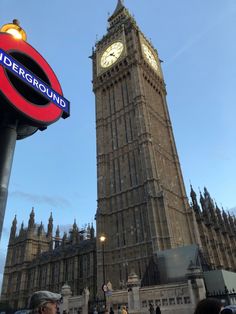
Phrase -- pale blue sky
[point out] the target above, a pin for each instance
(55, 170)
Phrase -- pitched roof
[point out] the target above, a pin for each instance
(119, 7)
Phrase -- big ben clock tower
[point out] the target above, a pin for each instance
(142, 204)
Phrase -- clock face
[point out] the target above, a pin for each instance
(150, 57)
(111, 54)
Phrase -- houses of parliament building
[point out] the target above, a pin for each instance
(142, 204)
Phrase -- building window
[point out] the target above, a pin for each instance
(164, 302)
(144, 304)
(179, 300)
(187, 300)
(171, 301)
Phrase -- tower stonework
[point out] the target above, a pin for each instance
(142, 203)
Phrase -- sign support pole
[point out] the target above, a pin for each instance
(8, 136)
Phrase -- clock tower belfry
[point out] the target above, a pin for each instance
(142, 203)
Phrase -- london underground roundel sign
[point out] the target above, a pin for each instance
(28, 84)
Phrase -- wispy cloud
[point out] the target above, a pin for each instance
(64, 228)
(185, 47)
(193, 41)
(38, 199)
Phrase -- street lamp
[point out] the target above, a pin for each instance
(14, 29)
(9, 126)
(24, 92)
(102, 240)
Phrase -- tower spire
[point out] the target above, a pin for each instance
(50, 226)
(40, 229)
(195, 202)
(193, 196)
(119, 6)
(31, 219)
(21, 229)
(13, 228)
(74, 233)
(119, 15)
(57, 237)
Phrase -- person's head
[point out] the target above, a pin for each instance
(208, 306)
(44, 302)
(229, 309)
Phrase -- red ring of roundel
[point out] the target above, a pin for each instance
(42, 114)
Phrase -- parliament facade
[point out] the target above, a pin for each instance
(38, 260)
(142, 203)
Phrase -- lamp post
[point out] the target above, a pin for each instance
(9, 126)
(27, 85)
(102, 240)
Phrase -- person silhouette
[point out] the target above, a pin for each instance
(151, 308)
(158, 310)
(208, 306)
